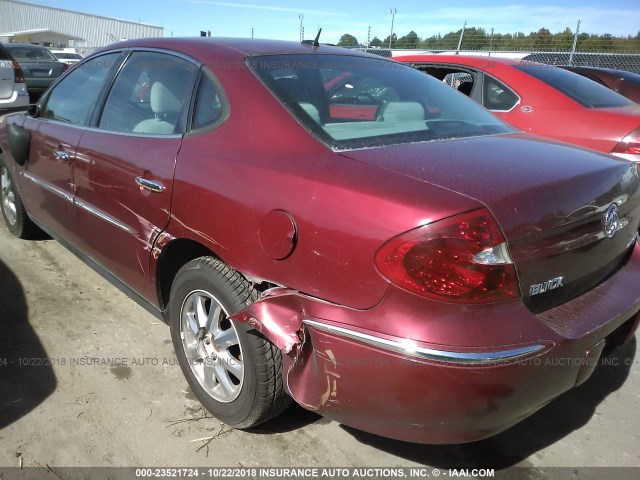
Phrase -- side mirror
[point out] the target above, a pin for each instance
(33, 110)
(19, 140)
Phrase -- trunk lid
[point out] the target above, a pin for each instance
(550, 200)
(41, 69)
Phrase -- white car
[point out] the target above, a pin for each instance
(70, 58)
(13, 88)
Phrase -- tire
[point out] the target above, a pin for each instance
(13, 211)
(233, 370)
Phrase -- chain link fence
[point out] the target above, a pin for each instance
(628, 61)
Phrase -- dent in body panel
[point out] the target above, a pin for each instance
(310, 371)
(316, 354)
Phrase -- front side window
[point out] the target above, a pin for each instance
(358, 102)
(584, 91)
(460, 79)
(150, 95)
(72, 100)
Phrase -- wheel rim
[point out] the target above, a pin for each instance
(211, 345)
(8, 197)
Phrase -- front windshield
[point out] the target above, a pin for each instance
(353, 102)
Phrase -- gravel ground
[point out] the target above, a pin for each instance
(68, 412)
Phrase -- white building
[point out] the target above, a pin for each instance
(56, 27)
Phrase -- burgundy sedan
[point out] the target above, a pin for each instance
(426, 273)
(542, 99)
(625, 83)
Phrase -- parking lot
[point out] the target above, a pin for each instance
(88, 378)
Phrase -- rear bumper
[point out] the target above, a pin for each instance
(480, 381)
(18, 102)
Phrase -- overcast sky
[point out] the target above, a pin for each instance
(279, 19)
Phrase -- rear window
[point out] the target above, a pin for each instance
(631, 79)
(68, 56)
(351, 102)
(29, 52)
(579, 88)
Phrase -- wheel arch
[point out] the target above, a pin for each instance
(171, 257)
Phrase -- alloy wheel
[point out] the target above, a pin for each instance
(211, 346)
(8, 197)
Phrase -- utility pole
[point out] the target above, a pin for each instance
(251, 32)
(393, 12)
(491, 41)
(369, 36)
(575, 44)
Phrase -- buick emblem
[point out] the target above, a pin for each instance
(611, 221)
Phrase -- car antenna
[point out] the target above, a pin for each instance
(316, 41)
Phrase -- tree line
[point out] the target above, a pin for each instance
(479, 39)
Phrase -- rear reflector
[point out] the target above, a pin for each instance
(17, 73)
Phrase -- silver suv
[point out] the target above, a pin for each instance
(13, 89)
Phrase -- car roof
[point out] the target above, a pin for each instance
(240, 47)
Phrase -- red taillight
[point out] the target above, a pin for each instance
(17, 73)
(65, 67)
(459, 259)
(630, 144)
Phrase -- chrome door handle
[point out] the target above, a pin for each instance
(62, 155)
(150, 185)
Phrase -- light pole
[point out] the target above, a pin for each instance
(461, 36)
(301, 17)
(491, 41)
(393, 12)
(575, 43)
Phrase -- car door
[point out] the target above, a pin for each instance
(47, 179)
(125, 167)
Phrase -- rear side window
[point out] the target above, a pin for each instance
(72, 100)
(150, 95)
(581, 89)
(210, 105)
(497, 96)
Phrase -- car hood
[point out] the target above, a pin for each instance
(550, 199)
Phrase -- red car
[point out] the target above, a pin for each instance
(542, 99)
(430, 274)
